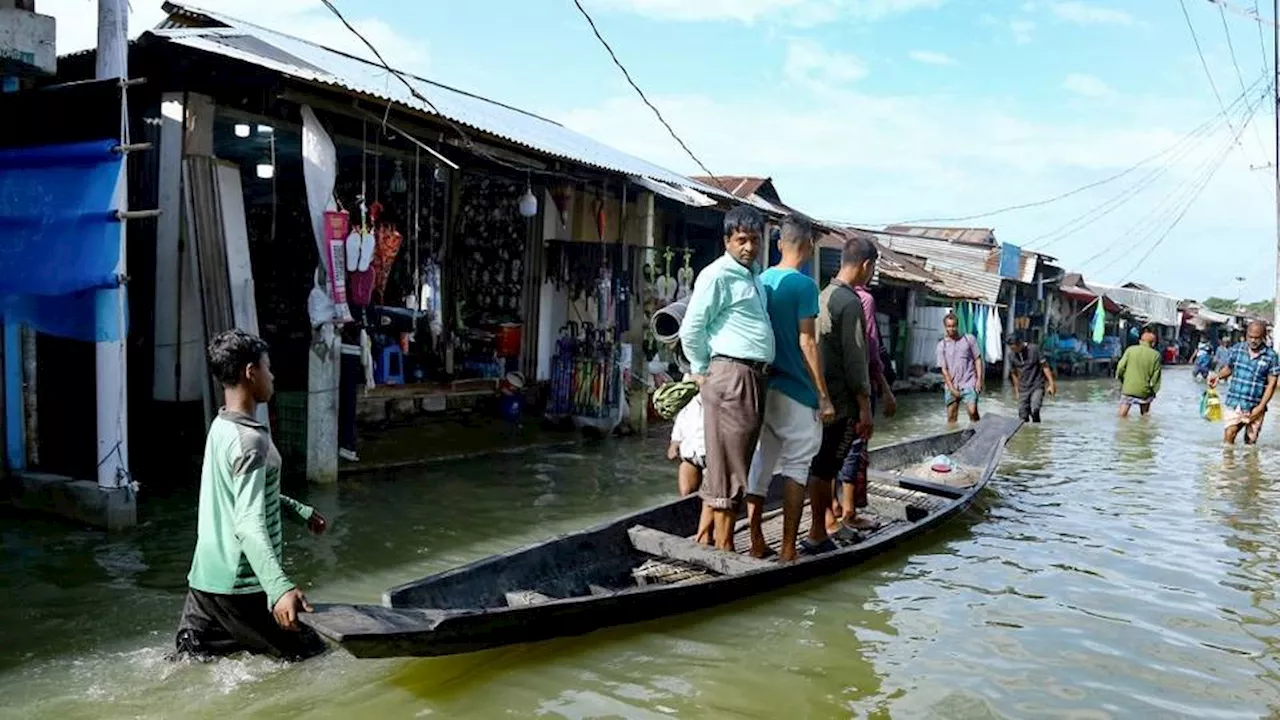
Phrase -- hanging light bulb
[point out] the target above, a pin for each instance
(528, 203)
(266, 130)
(398, 184)
(438, 174)
(266, 168)
(242, 130)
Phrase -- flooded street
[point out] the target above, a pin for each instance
(1114, 569)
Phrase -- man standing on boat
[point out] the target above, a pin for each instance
(842, 337)
(1031, 378)
(1253, 368)
(729, 342)
(1139, 375)
(797, 402)
(962, 370)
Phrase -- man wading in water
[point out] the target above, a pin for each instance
(729, 342)
(1253, 368)
(1139, 375)
(1031, 378)
(797, 402)
(962, 370)
(239, 597)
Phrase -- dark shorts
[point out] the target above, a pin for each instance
(837, 440)
(213, 625)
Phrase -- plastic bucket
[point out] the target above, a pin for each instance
(509, 339)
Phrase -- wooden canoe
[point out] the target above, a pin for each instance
(645, 566)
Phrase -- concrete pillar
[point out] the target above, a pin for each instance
(112, 368)
(186, 129)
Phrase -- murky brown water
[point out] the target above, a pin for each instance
(1116, 569)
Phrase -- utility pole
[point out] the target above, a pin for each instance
(112, 369)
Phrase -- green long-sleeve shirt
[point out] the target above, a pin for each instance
(1139, 371)
(240, 537)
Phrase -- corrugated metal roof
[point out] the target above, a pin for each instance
(1155, 307)
(1028, 263)
(972, 258)
(307, 61)
(891, 265)
(967, 236)
(965, 284)
(944, 280)
(743, 186)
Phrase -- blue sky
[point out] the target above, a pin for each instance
(879, 111)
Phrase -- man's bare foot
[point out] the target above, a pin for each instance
(864, 522)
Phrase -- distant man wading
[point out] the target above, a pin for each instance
(962, 370)
(239, 597)
(729, 342)
(1253, 368)
(797, 402)
(1031, 377)
(842, 337)
(1139, 375)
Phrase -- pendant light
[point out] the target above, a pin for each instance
(528, 201)
(242, 130)
(266, 168)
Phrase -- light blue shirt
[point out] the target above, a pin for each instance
(726, 316)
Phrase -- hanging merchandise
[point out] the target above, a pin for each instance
(389, 242)
(335, 229)
(995, 336)
(667, 285)
(685, 277)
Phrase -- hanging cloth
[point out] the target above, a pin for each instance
(384, 257)
(980, 327)
(995, 333)
(1099, 322)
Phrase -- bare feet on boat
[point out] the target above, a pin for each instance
(864, 522)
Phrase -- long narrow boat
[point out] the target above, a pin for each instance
(646, 566)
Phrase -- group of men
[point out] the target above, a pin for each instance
(787, 374)
(963, 373)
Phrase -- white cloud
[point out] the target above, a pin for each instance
(929, 57)
(809, 64)
(846, 154)
(1022, 30)
(77, 26)
(1087, 85)
(798, 12)
(1083, 13)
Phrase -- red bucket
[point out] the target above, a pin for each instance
(509, 339)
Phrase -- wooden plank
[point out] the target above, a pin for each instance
(666, 545)
(930, 488)
(520, 598)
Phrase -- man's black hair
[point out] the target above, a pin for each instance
(1014, 339)
(231, 352)
(857, 250)
(744, 218)
(796, 229)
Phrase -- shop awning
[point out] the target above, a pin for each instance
(61, 244)
(1081, 295)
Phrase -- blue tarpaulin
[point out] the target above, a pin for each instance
(61, 240)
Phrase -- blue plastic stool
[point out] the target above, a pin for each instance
(391, 370)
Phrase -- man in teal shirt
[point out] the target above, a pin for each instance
(239, 597)
(797, 402)
(728, 340)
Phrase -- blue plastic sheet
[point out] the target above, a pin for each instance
(61, 241)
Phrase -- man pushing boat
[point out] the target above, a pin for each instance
(730, 345)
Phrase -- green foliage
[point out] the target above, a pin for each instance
(1263, 308)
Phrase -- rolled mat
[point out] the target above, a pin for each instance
(666, 322)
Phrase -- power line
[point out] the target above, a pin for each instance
(1093, 215)
(1253, 15)
(1203, 63)
(1239, 75)
(1195, 193)
(1169, 200)
(643, 97)
(1083, 188)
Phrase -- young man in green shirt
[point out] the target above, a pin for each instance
(239, 597)
(1139, 375)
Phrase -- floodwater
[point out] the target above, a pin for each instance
(1115, 569)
